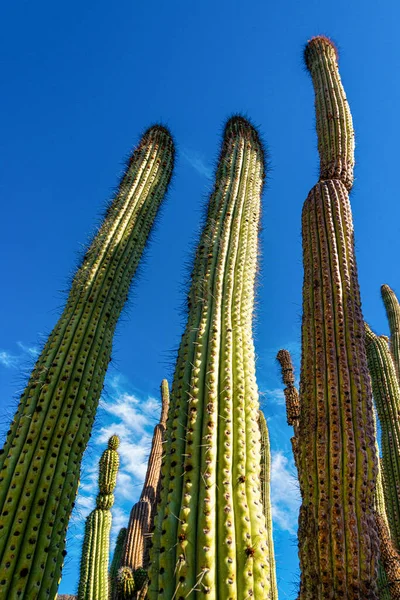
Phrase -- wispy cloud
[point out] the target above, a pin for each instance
(285, 496)
(276, 396)
(30, 350)
(198, 163)
(8, 360)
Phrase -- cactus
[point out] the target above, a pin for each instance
(336, 459)
(266, 498)
(126, 584)
(119, 546)
(386, 391)
(137, 541)
(393, 313)
(94, 581)
(292, 399)
(39, 466)
(210, 538)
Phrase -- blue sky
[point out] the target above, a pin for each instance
(82, 81)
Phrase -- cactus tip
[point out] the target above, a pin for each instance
(238, 125)
(113, 442)
(318, 42)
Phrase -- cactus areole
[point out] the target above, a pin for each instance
(210, 535)
(336, 459)
(40, 462)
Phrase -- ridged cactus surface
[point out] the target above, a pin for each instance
(210, 538)
(117, 555)
(266, 498)
(94, 577)
(40, 462)
(386, 391)
(138, 537)
(336, 459)
(393, 313)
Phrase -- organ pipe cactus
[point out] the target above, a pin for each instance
(94, 580)
(386, 391)
(393, 313)
(266, 498)
(39, 465)
(336, 459)
(210, 538)
(119, 546)
(136, 547)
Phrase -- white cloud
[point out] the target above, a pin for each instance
(10, 361)
(285, 495)
(31, 350)
(276, 396)
(197, 162)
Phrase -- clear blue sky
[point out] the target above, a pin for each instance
(80, 82)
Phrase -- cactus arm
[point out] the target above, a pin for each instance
(43, 450)
(266, 499)
(94, 578)
(334, 121)
(336, 458)
(215, 521)
(393, 313)
(386, 391)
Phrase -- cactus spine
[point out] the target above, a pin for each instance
(393, 313)
(137, 541)
(94, 580)
(386, 391)
(210, 539)
(39, 466)
(266, 498)
(336, 459)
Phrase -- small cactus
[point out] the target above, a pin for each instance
(126, 584)
(94, 579)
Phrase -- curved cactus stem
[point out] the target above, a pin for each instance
(333, 117)
(210, 538)
(393, 313)
(116, 561)
(386, 391)
(266, 500)
(40, 462)
(336, 457)
(94, 577)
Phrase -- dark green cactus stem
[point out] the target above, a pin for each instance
(126, 584)
(266, 498)
(138, 537)
(334, 122)
(386, 391)
(40, 462)
(94, 578)
(393, 313)
(116, 561)
(336, 460)
(210, 539)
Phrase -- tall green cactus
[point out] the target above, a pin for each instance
(393, 313)
(39, 466)
(386, 391)
(210, 538)
(117, 555)
(338, 541)
(94, 580)
(138, 536)
(266, 498)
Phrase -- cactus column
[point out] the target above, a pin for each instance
(210, 537)
(40, 462)
(136, 546)
(94, 580)
(386, 391)
(336, 460)
(393, 313)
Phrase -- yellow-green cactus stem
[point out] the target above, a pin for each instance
(266, 498)
(336, 458)
(138, 537)
(126, 584)
(94, 577)
(334, 122)
(210, 539)
(40, 462)
(393, 313)
(386, 390)
(116, 561)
